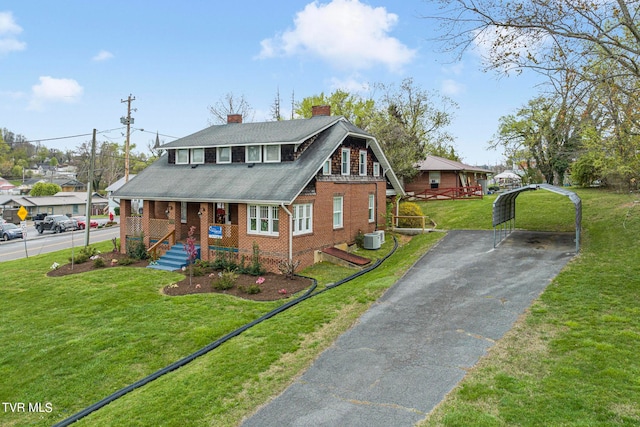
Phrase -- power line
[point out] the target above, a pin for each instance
(65, 137)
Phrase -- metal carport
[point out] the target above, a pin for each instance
(504, 210)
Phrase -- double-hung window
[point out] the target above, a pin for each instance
(337, 212)
(302, 219)
(223, 155)
(362, 165)
(182, 156)
(263, 219)
(372, 207)
(254, 154)
(345, 164)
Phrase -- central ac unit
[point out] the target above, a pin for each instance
(371, 241)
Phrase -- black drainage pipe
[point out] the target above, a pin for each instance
(185, 360)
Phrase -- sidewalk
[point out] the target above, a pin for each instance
(416, 343)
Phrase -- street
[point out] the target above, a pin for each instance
(37, 244)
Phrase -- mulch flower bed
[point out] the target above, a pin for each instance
(272, 287)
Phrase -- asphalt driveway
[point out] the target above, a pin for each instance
(416, 343)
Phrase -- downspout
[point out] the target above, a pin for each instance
(290, 231)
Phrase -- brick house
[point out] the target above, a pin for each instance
(440, 178)
(291, 187)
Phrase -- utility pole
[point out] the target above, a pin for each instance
(127, 121)
(92, 165)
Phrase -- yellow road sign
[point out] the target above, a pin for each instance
(22, 213)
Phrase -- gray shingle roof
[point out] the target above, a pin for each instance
(241, 182)
(285, 131)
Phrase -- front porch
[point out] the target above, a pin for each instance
(163, 224)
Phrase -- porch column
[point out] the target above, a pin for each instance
(125, 214)
(206, 217)
(147, 208)
(173, 216)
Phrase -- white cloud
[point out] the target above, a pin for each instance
(451, 87)
(8, 30)
(346, 33)
(103, 55)
(54, 90)
(350, 84)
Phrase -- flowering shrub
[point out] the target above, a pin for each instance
(54, 266)
(226, 280)
(282, 291)
(260, 280)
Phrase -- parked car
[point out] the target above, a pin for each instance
(10, 231)
(38, 218)
(57, 224)
(82, 222)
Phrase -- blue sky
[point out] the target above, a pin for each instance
(65, 66)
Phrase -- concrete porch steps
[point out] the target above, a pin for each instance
(174, 259)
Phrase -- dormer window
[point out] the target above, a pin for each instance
(272, 153)
(197, 156)
(223, 155)
(326, 168)
(182, 156)
(362, 165)
(254, 154)
(345, 162)
(376, 169)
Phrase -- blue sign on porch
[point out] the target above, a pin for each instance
(215, 232)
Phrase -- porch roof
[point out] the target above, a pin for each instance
(435, 163)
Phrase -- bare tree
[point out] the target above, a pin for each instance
(230, 104)
(546, 35)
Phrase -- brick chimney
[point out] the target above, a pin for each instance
(320, 110)
(234, 118)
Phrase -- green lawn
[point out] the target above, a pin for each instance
(71, 341)
(572, 360)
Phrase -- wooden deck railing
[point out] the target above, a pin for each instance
(451, 193)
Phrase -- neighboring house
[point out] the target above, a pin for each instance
(440, 178)
(114, 202)
(292, 187)
(65, 183)
(98, 202)
(59, 205)
(6, 187)
(62, 203)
